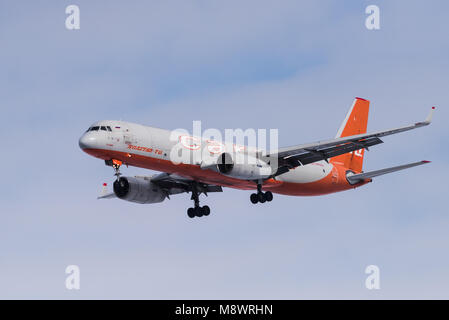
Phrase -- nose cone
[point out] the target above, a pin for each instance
(87, 141)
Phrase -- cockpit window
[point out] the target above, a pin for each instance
(96, 128)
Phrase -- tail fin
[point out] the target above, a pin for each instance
(355, 122)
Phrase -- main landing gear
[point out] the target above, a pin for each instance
(261, 196)
(197, 210)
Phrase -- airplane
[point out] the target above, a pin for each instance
(309, 169)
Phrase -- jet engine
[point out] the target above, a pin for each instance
(243, 166)
(138, 190)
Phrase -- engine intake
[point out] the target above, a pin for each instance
(225, 163)
(138, 190)
(243, 166)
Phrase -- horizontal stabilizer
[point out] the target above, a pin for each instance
(354, 178)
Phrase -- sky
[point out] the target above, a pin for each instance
(294, 66)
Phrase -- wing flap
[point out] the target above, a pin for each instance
(312, 155)
(175, 183)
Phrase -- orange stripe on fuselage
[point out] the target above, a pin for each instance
(324, 186)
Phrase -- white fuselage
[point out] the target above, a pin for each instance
(158, 149)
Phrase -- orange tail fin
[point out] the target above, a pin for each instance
(355, 122)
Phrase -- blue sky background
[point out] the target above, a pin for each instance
(295, 66)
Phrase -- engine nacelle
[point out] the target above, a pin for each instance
(138, 190)
(244, 166)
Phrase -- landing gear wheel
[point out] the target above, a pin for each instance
(199, 211)
(206, 211)
(268, 196)
(254, 198)
(261, 196)
(191, 213)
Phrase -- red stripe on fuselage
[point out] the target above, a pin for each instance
(328, 184)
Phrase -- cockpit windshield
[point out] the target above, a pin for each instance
(97, 128)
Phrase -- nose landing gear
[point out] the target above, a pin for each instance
(261, 196)
(116, 165)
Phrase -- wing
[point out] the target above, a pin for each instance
(355, 178)
(174, 184)
(291, 157)
(108, 195)
(105, 194)
(171, 184)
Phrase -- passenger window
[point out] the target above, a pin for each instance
(103, 128)
(95, 128)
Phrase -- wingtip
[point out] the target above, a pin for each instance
(426, 161)
(430, 115)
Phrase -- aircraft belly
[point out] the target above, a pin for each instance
(309, 180)
(331, 181)
(308, 173)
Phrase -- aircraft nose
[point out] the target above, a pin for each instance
(87, 141)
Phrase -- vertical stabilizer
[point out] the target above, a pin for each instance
(355, 122)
